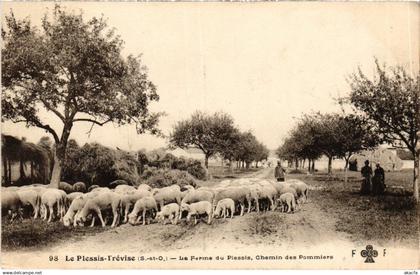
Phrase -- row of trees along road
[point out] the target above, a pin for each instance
(385, 110)
(332, 135)
(216, 134)
(74, 69)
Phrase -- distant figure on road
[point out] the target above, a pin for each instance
(279, 172)
(367, 178)
(378, 181)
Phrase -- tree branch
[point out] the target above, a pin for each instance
(92, 120)
(55, 111)
(42, 126)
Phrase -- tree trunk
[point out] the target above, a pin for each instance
(230, 166)
(9, 170)
(313, 166)
(60, 152)
(329, 165)
(56, 173)
(416, 177)
(346, 169)
(206, 162)
(21, 169)
(309, 165)
(296, 164)
(32, 172)
(5, 172)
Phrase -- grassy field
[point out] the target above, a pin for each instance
(391, 217)
(30, 233)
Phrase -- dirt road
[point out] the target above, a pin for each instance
(307, 228)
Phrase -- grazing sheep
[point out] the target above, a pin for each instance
(269, 193)
(223, 206)
(28, 196)
(93, 187)
(128, 200)
(10, 204)
(238, 194)
(170, 211)
(76, 206)
(100, 189)
(198, 195)
(188, 187)
(255, 195)
(79, 187)
(198, 208)
(68, 188)
(99, 203)
(72, 196)
(145, 187)
(144, 205)
(300, 187)
(287, 202)
(184, 193)
(11, 188)
(115, 183)
(51, 198)
(167, 195)
(123, 189)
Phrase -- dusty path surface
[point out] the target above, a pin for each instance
(308, 227)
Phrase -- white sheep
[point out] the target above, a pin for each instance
(51, 198)
(301, 189)
(222, 208)
(10, 203)
(97, 204)
(76, 206)
(123, 189)
(170, 211)
(287, 202)
(142, 205)
(239, 194)
(145, 187)
(198, 208)
(129, 200)
(28, 196)
(167, 195)
(196, 196)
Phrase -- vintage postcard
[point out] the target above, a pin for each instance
(241, 135)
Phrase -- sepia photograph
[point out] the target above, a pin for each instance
(210, 135)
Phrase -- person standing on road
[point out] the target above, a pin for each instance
(367, 178)
(279, 172)
(378, 181)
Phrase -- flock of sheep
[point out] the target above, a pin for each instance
(139, 205)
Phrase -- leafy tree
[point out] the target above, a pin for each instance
(391, 102)
(209, 133)
(247, 148)
(356, 134)
(261, 153)
(73, 69)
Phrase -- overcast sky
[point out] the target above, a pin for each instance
(263, 63)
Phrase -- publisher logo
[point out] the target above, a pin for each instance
(369, 253)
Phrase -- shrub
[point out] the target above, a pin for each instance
(160, 161)
(97, 164)
(163, 177)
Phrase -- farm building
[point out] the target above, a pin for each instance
(23, 161)
(387, 157)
